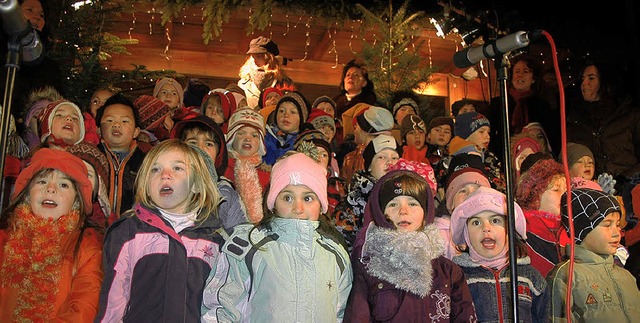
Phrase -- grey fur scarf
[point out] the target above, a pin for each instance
(403, 258)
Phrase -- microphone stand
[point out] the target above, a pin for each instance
(13, 64)
(502, 75)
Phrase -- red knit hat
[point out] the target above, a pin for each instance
(94, 157)
(46, 117)
(227, 99)
(151, 110)
(534, 182)
(318, 118)
(62, 161)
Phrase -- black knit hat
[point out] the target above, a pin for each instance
(589, 207)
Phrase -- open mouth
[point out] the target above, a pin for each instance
(488, 243)
(166, 190)
(49, 203)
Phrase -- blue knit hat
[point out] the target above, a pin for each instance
(468, 123)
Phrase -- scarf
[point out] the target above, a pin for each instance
(35, 251)
(496, 262)
(403, 258)
(248, 184)
(520, 115)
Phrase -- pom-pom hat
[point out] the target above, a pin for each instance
(298, 169)
(151, 111)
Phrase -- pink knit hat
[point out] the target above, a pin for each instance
(484, 199)
(461, 177)
(167, 80)
(423, 169)
(298, 169)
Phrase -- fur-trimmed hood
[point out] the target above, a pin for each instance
(403, 258)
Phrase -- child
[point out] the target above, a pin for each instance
(335, 184)
(291, 112)
(480, 223)
(522, 145)
(413, 133)
(400, 274)
(98, 98)
(169, 91)
(290, 267)
(158, 255)
(329, 106)
(118, 120)
(538, 192)
(381, 152)
(269, 98)
(580, 161)
(245, 143)
(50, 258)
(403, 104)
(473, 127)
(325, 123)
(219, 105)
(462, 106)
(38, 100)
(601, 291)
(98, 168)
(438, 137)
(204, 133)
(61, 124)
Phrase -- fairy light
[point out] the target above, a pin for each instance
(286, 31)
(430, 53)
(333, 41)
(153, 18)
(133, 24)
(168, 36)
(307, 39)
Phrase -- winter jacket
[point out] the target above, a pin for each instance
(349, 213)
(286, 273)
(231, 210)
(154, 274)
(123, 177)
(353, 162)
(276, 144)
(408, 281)
(601, 290)
(78, 287)
(546, 240)
(611, 131)
(491, 290)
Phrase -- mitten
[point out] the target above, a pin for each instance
(607, 183)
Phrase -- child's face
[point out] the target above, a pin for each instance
(117, 127)
(480, 138)
(381, 162)
(550, 198)
(298, 202)
(272, 99)
(323, 155)
(202, 140)
(327, 107)
(487, 233)
(33, 12)
(523, 155)
(604, 239)
(98, 99)
(327, 132)
(404, 111)
(169, 95)
(247, 141)
(416, 138)
(405, 213)
(214, 111)
(440, 135)
(93, 176)
(170, 185)
(467, 108)
(584, 167)
(288, 119)
(463, 193)
(52, 195)
(66, 124)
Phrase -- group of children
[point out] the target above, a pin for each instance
(226, 213)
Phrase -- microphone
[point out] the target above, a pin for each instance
(471, 55)
(17, 26)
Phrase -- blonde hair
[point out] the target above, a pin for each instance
(204, 197)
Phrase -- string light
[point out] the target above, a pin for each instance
(430, 52)
(287, 18)
(168, 36)
(133, 24)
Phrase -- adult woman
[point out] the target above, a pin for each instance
(607, 122)
(355, 87)
(526, 105)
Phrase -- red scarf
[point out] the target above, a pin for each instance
(520, 116)
(34, 255)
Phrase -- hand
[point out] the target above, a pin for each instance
(607, 183)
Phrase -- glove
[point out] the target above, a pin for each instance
(607, 183)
